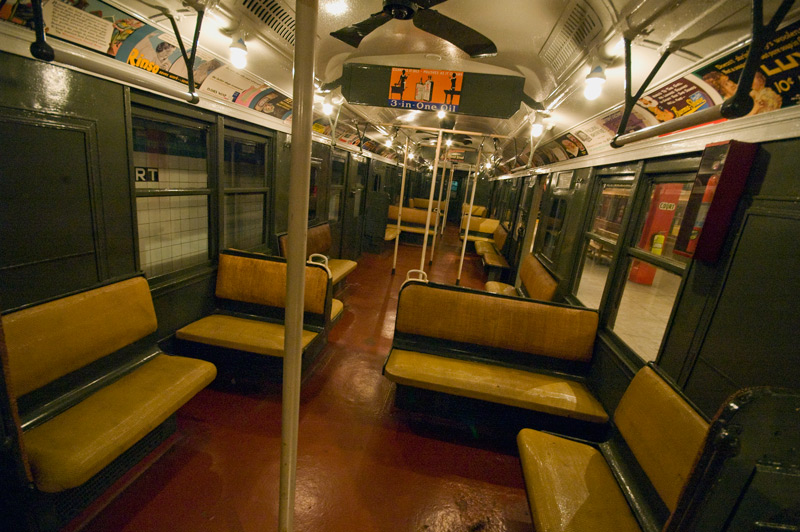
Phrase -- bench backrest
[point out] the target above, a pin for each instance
(663, 431)
(538, 282)
(480, 225)
(522, 325)
(477, 210)
(50, 340)
(410, 216)
(500, 235)
(318, 240)
(422, 203)
(261, 280)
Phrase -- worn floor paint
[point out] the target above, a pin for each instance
(362, 466)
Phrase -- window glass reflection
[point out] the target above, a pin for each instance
(645, 308)
(663, 221)
(594, 274)
(610, 209)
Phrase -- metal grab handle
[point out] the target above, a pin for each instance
(322, 260)
(421, 276)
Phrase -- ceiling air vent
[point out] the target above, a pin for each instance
(571, 37)
(275, 15)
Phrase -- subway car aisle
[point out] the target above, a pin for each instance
(362, 466)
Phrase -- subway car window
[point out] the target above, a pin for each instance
(172, 195)
(246, 193)
(653, 271)
(601, 241)
(554, 212)
(338, 168)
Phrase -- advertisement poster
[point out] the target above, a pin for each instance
(267, 100)
(425, 90)
(679, 98)
(777, 80)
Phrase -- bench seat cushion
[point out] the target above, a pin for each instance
(340, 268)
(483, 247)
(391, 232)
(336, 309)
(496, 287)
(493, 260)
(570, 487)
(477, 238)
(420, 230)
(260, 337)
(497, 384)
(69, 449)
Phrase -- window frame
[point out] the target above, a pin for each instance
(262, 137)
(147, 108)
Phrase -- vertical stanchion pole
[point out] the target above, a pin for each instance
(438, 211)
(469, 217)
(430, 201)
(300, 176)
(400, 207)
(447, 200)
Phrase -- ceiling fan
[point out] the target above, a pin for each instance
(426, 19)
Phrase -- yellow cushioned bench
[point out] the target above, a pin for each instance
(571, 485)
(318, 240)
(477, 210)
(89, 384)
(411, 220)
(251, 296)
(480, 229)
(514, 352)
(536, 282)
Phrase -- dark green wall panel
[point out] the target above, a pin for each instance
(66, 192)
(752, 339)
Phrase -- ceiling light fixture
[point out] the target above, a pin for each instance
(238, 49)
(327, 105)
(594, 83)
(441, 114)
(336, 8)
(537, 125)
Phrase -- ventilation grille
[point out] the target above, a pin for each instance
(275, 16)
(576, 28)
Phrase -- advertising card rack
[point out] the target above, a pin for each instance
(718, 186)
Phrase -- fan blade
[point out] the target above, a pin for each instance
(352, 35)
(429, 3)
(469, 40)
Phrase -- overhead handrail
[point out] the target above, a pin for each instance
(736, 106)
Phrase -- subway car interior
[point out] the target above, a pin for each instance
(395, 265)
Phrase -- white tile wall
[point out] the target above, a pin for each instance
(173, 231)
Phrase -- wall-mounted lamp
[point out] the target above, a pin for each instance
(238, 49)
(594, 83)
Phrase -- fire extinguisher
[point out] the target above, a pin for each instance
(658, 243)
(700, 219)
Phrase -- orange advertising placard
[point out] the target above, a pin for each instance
(425, 90)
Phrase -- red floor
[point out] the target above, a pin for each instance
(361, 466)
